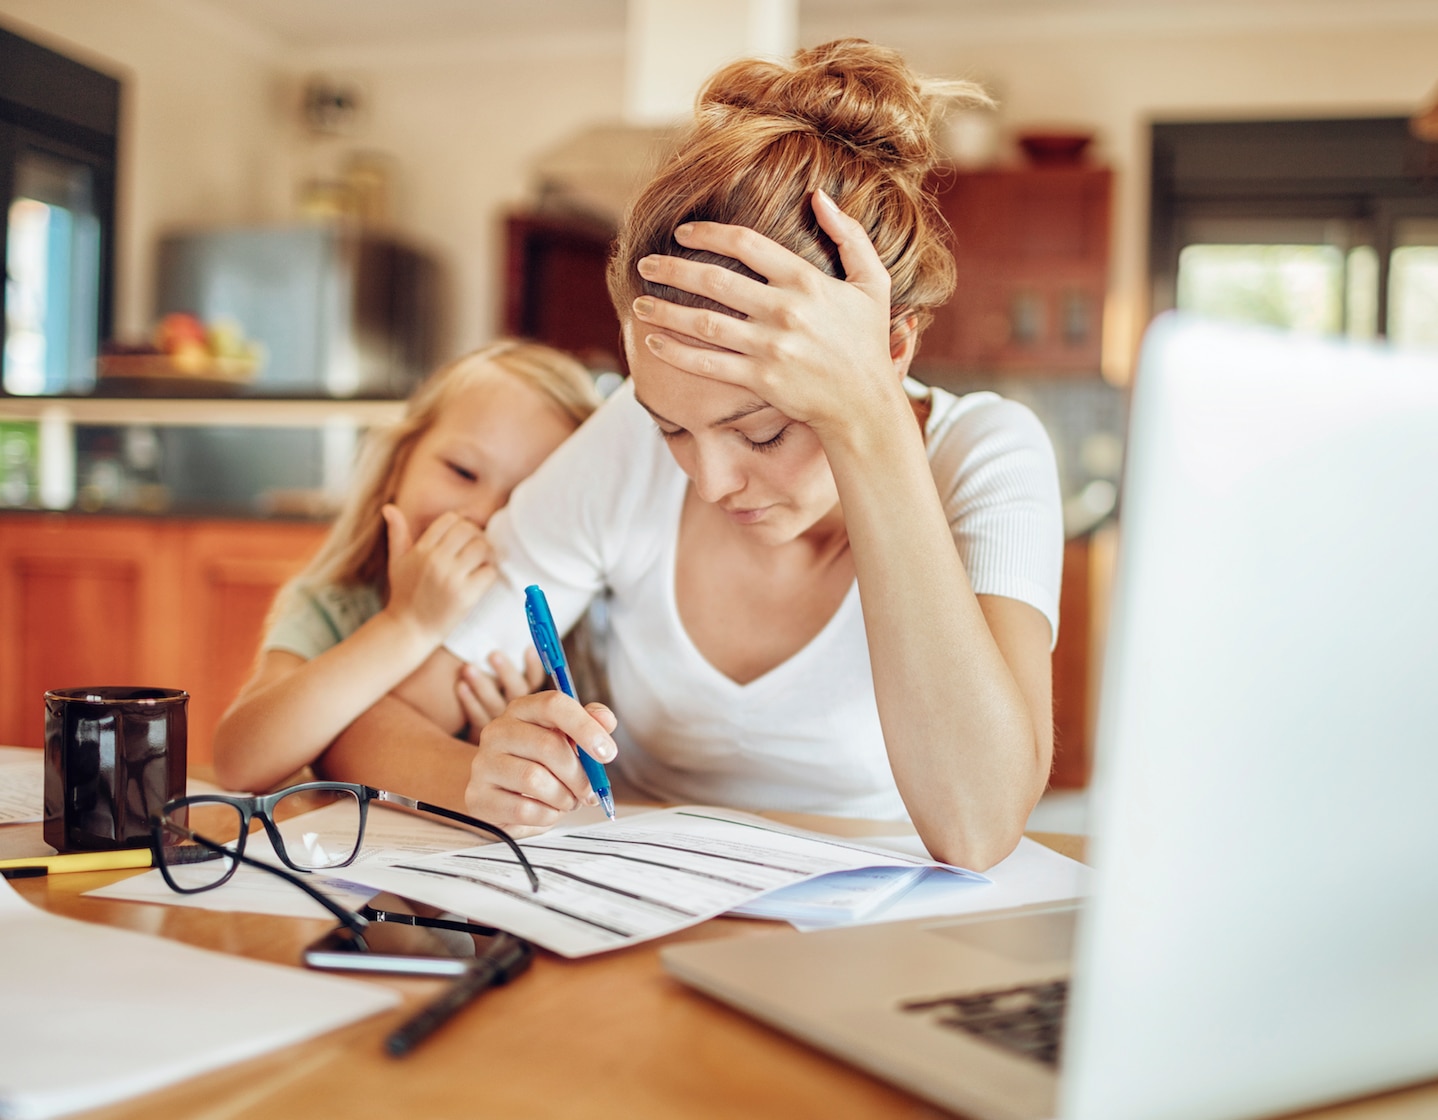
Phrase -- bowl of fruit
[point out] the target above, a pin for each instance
(183, 355)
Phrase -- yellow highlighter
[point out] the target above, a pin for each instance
(117, 860)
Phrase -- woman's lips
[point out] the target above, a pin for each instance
(746, 516)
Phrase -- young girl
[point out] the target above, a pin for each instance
(831, 589)
(405, 560)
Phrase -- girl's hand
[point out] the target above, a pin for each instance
(525, 773)
(433, 582)
(484, 698)
(816, 348)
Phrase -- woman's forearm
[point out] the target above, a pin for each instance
(969, 747)
(395, 747)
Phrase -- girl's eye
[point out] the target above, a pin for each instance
(463, 472)
(771, 443)
(667, 435)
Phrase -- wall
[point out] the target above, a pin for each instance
(1117, 74)
(212, 133)
(464, 121)
(198, 117)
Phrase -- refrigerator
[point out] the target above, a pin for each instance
(340, 312)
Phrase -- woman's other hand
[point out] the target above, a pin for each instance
(434, 581)
(525, 773)
(817, 348)
(484, 697)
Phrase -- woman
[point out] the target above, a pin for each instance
(830, 588)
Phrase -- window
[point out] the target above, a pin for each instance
(58, 125)
(1327, 227)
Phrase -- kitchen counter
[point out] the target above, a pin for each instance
(242, 412)
(231, 457)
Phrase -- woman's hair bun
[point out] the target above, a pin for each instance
(848, 91)
(847, 118)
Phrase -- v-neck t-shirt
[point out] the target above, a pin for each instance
(601, 517)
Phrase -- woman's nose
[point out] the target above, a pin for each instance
(716, 475)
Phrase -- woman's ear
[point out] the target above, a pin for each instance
(904, 343)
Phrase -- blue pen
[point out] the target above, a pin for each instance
(551, 655)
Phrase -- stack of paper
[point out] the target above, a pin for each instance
(617, 883)
(74, 993)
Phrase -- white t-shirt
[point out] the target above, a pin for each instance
(602, 516)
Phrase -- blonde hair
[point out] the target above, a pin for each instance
(847, 117)
(356, 551)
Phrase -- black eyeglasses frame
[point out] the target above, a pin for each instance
(262, 806)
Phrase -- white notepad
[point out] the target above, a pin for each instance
(72, 992)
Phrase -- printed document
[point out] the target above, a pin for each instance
(608, 885)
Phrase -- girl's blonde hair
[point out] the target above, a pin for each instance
(356, 551)
(847, 117)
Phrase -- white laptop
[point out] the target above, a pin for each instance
(1263, 930)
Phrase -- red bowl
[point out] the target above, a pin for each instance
(1055, 147)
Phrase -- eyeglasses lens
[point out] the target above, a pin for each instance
(193, 866)
(331, 843)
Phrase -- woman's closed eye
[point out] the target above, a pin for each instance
(770, 443)
(754, 444)
(463, 471)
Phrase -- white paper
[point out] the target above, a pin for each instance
(1032, 873)
(839, 898)
(613, 884)
(73, 990)
(22, 789)
(389, 834)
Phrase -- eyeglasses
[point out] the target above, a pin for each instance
(191, 862)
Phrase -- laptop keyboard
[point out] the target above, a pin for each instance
(1027, 1019)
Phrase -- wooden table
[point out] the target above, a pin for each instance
(610, 1036)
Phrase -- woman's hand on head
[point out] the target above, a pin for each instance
(484, 697)
(435, 580)
(816, 348)
(525, 774)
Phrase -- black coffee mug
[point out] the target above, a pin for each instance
(113, 756)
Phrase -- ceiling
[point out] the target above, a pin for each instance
(308, 25)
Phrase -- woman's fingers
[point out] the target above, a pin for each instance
(525, 772)
(778, 265)
(862, 266)
(720, 365)
(605, 718)
(538, 729)
(723, 285)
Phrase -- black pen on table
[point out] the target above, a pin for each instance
(506, 957)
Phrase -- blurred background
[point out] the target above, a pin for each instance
(237, 231)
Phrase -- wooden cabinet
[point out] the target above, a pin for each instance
(555, 287)
(1089, 564)
(1071, 671)
(1031, 248)
(93, 600)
